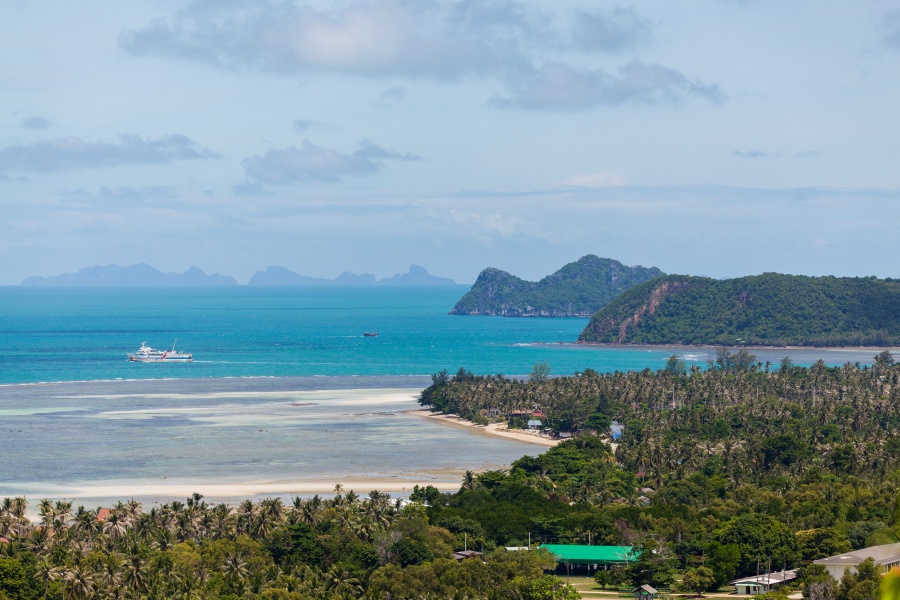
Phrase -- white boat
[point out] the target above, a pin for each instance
(147, 354)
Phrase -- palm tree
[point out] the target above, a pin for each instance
(340, 583)
(79, 582)
(235, 570)
(135, 575)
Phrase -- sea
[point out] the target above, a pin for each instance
(280, 389)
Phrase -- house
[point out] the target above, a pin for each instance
(534, 424)
(885, 556)
(760, 584)
(465, 555)
(645, 592)
(577, 554)
(616, 430)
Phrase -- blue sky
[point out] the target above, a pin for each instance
(709, 137)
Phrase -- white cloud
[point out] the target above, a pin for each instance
(561, 87)
(445, 40)
(69, 153)
(611, 31)
(311, 162)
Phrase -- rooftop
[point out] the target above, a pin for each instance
(578, 554)
(768, 578)
(880, 554)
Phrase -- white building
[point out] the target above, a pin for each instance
(760, 584)
(885, 556)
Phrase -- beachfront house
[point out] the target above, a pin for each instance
(885, 556)
(760, 584)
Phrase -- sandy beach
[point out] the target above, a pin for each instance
(494, 429)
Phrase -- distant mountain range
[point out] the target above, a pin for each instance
(768, 310)
(280, 276)
(145, 275)
(578, 289)
(135, 275)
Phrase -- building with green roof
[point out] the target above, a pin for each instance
(575, 554)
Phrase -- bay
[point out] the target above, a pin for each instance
(285, 393)
(85, 334)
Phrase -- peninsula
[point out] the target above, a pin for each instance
(577, 290)
(765, 310)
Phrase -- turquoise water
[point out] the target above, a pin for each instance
(85, 334)
(270, 396)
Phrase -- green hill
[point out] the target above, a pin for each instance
(577, 290)
(768, 309)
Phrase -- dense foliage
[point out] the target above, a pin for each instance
(578, 289)
(345, 547)
(768, 309)
(731, 468)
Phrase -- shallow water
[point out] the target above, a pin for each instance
(63, 440)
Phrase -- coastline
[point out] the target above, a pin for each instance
(580, 344)
(493, 429)
(236, 439)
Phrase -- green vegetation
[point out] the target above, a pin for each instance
(723, 468)
(769, 309)
(579, 289)
(718, 472)
(345, 547)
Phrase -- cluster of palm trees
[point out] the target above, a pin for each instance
(750, 425)
(185, 549)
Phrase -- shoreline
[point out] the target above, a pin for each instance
(270, 420)
(492, 429)
(578, 344)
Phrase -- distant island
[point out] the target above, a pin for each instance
(145, 275)
(578, 289)
(279, 276)
(135, 275)
(767, 310)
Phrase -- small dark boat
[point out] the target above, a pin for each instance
(370, 334)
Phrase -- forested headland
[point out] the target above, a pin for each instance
(769, 309)
(578, 289)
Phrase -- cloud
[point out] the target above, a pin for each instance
(310, 162)
(381, 38)
(808, 154)
(892, 29)
(397, 92)
(70, 153)
(445, 40)
(751, 154)
(304, 125)
(120, 196)
(612, 31)
(35, 123)
(561, 87)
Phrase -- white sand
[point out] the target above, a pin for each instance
(495, 429)
(238, 490)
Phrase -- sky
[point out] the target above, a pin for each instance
(705, 137)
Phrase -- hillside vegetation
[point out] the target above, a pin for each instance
(577, 290)
(768, 309)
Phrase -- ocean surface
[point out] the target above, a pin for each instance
(85, 334)
(277, 391)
